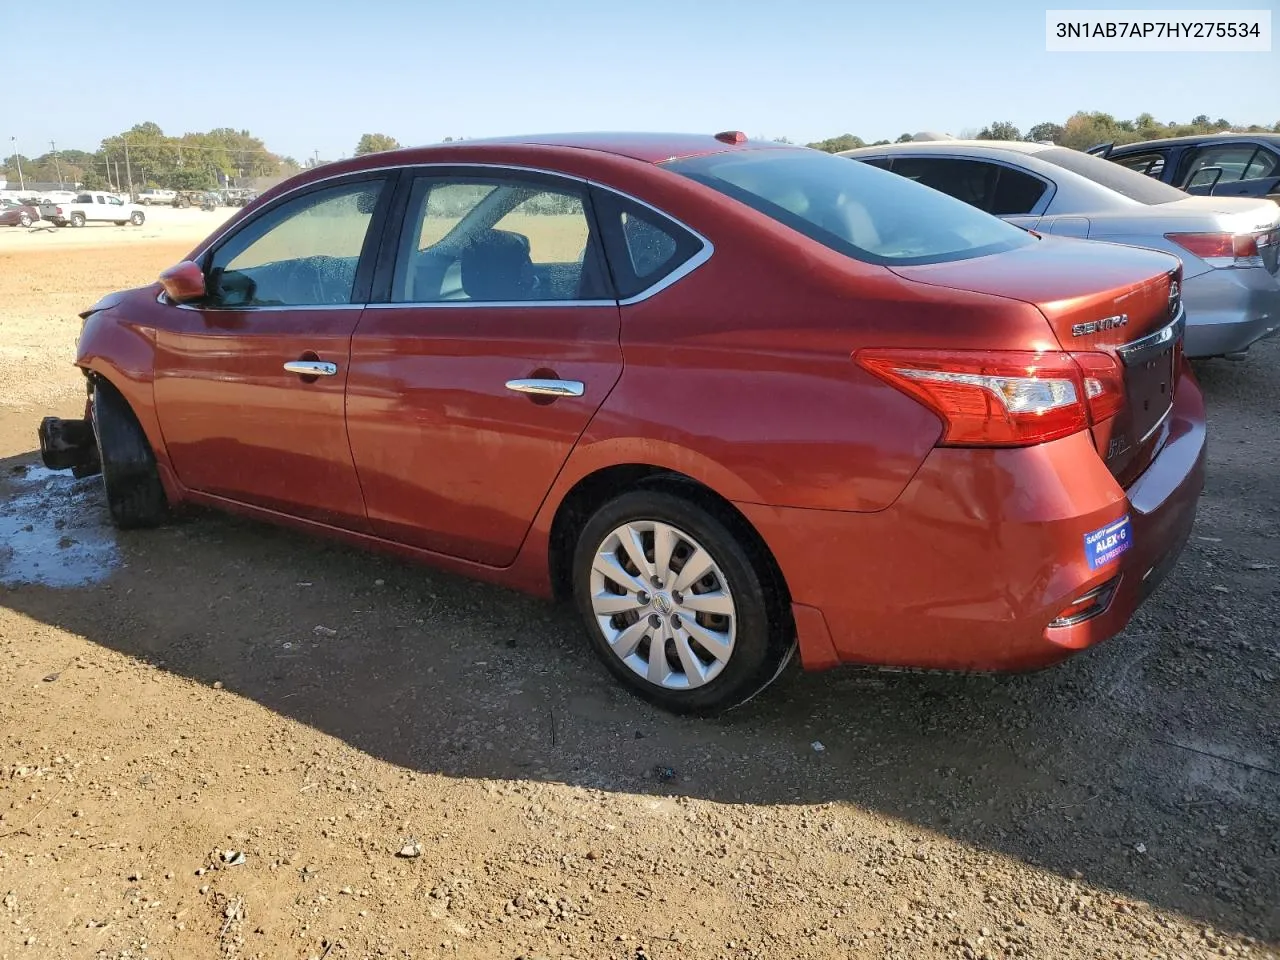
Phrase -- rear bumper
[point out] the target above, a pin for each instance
(984, 549)
(1229, 310)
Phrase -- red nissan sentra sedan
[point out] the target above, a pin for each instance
(735, 399)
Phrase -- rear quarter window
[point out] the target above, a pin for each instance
(644, 247)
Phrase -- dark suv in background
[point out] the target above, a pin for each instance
(1218, 164)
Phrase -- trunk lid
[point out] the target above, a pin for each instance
(1097, 298)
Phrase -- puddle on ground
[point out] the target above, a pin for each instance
(55, 530)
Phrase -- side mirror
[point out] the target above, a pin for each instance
(183, 282)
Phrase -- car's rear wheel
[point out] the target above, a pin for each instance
(77, 219)
(138, 218)
(24, 219)
(679, 604)
(135, 495)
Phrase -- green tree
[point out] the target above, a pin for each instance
(376, 143)
(1045, 131)
(905, 138)
(1001, 130)
(846, 141)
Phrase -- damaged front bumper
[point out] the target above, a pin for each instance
(69, 445)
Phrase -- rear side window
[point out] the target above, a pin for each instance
(643, 246)
(1151, 164)
(1016, 193)
(1111, 175)
(864, 213)
(988, 186)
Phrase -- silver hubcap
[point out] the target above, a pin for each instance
(663, 604)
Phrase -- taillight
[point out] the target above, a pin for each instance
(1003, 398)
(57, 211)
(1103, 384)
(1224, 249)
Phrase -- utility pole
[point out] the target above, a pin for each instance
(317, 158)
(127, 171)
(17, 158)
(53, 148)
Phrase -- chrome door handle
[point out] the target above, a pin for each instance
(311, 368)
(548, 388)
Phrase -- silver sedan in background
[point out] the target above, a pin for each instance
(1228, 245)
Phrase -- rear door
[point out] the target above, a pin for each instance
(496, 342)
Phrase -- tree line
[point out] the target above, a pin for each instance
(1081, 131)
(145, 156)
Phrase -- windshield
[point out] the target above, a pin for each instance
(854, 208)
(1108, 173)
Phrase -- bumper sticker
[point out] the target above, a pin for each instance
(1103, 546)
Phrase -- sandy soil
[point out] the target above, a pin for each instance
(217, 739)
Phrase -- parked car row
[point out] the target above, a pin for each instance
(1228, 245)
(15, 214)
(736, 400)
(230, 197)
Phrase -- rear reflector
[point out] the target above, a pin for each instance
(1086, 606)
(1003, 398)
(1224, 249)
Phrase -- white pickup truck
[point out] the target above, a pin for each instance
(93, 207)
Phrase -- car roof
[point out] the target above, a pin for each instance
(942, 146)
(1194, 138)
(646, 147)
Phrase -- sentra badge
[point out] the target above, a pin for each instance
(1097, 326)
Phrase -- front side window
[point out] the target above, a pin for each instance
(496, 240)
(1264, 164)
(301, 253)
(1232, 159)
(862, 212)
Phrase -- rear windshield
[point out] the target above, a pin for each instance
(854, 208)
(1108, 173)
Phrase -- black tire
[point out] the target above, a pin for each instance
(122, 223)
(77, 220)
(138, 218)
(764, 632)
(135, 495)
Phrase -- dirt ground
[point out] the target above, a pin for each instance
(217, 739)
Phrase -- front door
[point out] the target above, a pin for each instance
(250, 382)
(499, 340)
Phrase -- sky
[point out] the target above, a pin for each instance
(310, 82)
